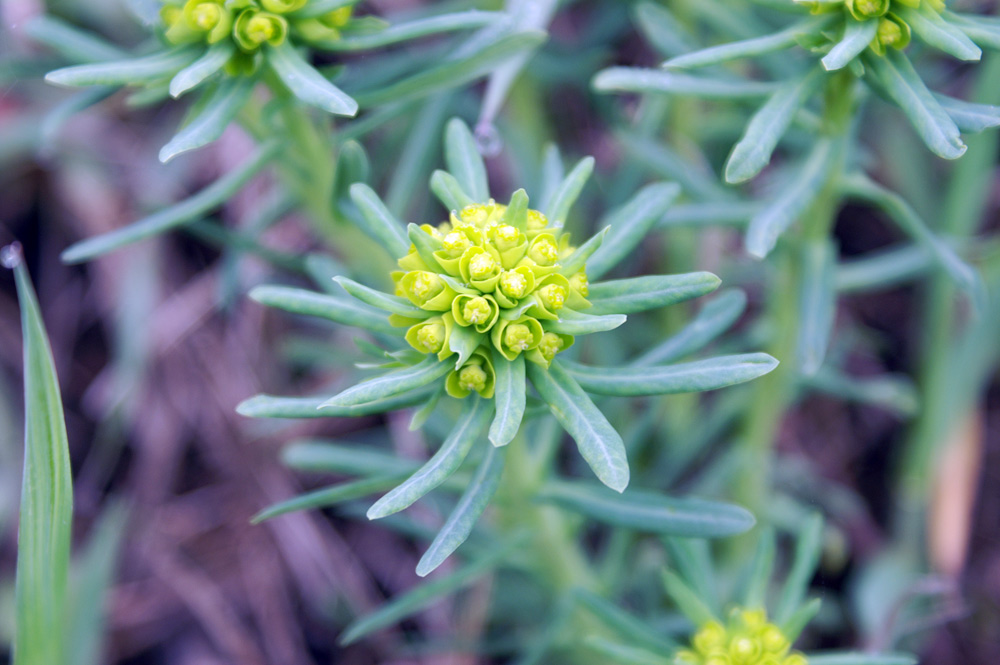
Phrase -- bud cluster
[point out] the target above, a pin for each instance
(249, 24)
(892, 31)
(747, 638)
(495, 270)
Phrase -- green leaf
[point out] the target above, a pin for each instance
(637, 294)
(321, 456)
(692, 559)
(270, 406)
(214, 59)
(46, 516)
(768, 125)
(414, 30)
(983, 30)
(568, 191)
(329, 496)
(637, 632)
(860, 658)
(883, 269)
(622, 654)
(807, 550)
(857, 36)
(888, 391)
(306, 83)
(755, 594)
(453, 73)
(575, 323)
(796, 623)
(687, 601)
(578, 259)
(425, 594)
(516, 213)
(634, 79)
(93, 576)
(904, 86)
(661, 29)
(421, 415)
(464, 161)
(426, 245)
(70, 42)
(600, 445)
(969, 117)
(211, 120)
(933, 29)
(510, 398)
(185, 212)
(449, 191)
(465, 515)
(380, 224)
(817, 304)
(630, 225)
(463, 341)
(964, 276)
(714, 319)
(650, 512)
(315, 8)
(777, 41)
(793, 200)
(697, 182)
(309, 303)
(696, 376)
(385, 301)
(446, 460)
(131, 71)
(391, 383)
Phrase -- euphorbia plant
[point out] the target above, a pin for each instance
(495, 298)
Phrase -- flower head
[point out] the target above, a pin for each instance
(747, 638)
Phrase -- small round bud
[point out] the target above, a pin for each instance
(891, 32)
(536, 220)
(580, 283)
(260, 29)
(743, 650)
(795, 659)
(455, 243)
(482, 266)
(552, 296)
(513, 284)
(431, 337)
(517, 337)
(773, 639)
(477, 310)
(866, 9)
(472, 378)
(543, 252)
(506, 237)
(206, 16)
(550, 345)
(711, 637)
(427, 285)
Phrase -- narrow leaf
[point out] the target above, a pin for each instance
(568, 191)
(860, 658)
(634, 79)
(449, 191)
(510, 398)
(767, 126)
(402, 32)
(309, 303)
(464, 161)
(933, 29)
(687, 601)
(623, 654)
(714, 55)
(637, 294)
(214, 59)
(968, 116)
(391, 383)
(600, 445)
(322, 456)
(795, 624)
(211, 120)
(69, 41)
(714, 319)
(630, 224)
(650, 512)
(380, 224)
(817, 304)
(270, 406)
(755, 594)
(578, 259)
(330, 496)
(46, 492)
(795, 197)
(445, 461)
(185, 212)
(696, 376)
(132, 71)
(385, 301)
(807, 551)
(575, 323)
(306, 83)
(465, 515)
(857, 36)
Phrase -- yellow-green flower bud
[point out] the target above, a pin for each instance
(866, 9)
(746, 639)
(254, 28)
(472, 378)
(513, 284)
(744, 650)
(481, 266)
(422, 287)
(552, 297)
(537, 221)
(477, 310)
(455, 243)
(282, 6)
(891, 32)
(206, 15)
(774, 640)
(543, 251)
(518, 337)
(431, 337)
(580, 284)
(507, 237)
(550, 345)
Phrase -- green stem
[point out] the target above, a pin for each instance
(775, 392)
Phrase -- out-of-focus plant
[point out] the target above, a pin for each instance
(490, 300)
(819, 71)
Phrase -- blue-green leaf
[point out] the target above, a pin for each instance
(857, 36)
(860, 658)
(214, 59)
(391, 383)
(211, 119)
(817, 304)
(464, 161)
(714, 319)
(133, 71)
(385, 301)
(449, 191)
(637, 294)
(380, 224)
(576, 323)
(633, 79)
(630, 224)
(568, 191)
(510, 398)
(309, 303)
(306, 83)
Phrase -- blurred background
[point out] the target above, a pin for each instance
(155, 346)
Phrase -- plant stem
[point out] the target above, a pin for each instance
(775, 391)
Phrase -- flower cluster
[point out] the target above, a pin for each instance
(747, 638)
(249, 24)
(494, 270)
(891, 30)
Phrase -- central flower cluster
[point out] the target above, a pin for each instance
(892, 31)
(487, 272)
(746, 639)
(248, 23)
